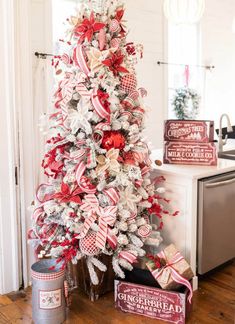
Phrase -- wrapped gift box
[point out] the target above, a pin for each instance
(165, 277)
(189, 131)
(153, 302)
(190, 153)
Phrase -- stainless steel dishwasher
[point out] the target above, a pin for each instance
(216, 221)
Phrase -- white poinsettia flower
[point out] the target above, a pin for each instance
(79, 119)
(129, 199)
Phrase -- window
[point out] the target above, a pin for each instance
(62, 10)
(183, 51)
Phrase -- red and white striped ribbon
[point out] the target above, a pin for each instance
(75, 156)
(87, 225)
(99, 131)
(91, 159)
(83, 91)
(126, 114)
(107, 217)
(79, 59)
(112, 194)
(82, 181)
(145, 170)
(45, 197)
(100, 110)
(128, 256)
(174, 274)
(128, 103)
(90, 203)
(111, 239)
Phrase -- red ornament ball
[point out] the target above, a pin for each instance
(88, 244)
(128, 83)
(113, 139)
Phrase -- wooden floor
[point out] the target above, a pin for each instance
(214, 302)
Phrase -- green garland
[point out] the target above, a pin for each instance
(186, 103)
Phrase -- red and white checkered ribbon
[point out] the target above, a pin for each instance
(174, 274)
(100, 110)
(107, 217)
(47, 276)
(128, 256)
(83, 182)
(80, 60)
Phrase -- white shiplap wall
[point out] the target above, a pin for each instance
(147, 26)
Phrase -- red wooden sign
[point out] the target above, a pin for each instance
(190, 153)
(189, 131)
(151, 302)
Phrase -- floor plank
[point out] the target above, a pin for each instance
(214, 302)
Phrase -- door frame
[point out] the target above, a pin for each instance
(9, 211)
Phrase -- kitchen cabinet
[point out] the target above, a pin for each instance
(182, 188)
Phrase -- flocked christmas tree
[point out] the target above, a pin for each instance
(99, 197)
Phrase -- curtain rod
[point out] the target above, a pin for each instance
(207, 67)
(42, 55)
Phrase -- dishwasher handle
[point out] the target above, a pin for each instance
(220, 183)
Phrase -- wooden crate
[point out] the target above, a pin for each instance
(152, 302)
(189, 131)
(190, 153)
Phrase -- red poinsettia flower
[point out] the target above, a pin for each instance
(114, 63)
(52, 167)
(87, 28)
(66, 195)
(103, 97)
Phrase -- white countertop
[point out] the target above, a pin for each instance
(193, 171)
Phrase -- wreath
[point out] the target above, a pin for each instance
(186, 103)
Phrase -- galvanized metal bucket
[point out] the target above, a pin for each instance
(48, 292)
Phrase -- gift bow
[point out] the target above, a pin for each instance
(174, 274)
(106, 218)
